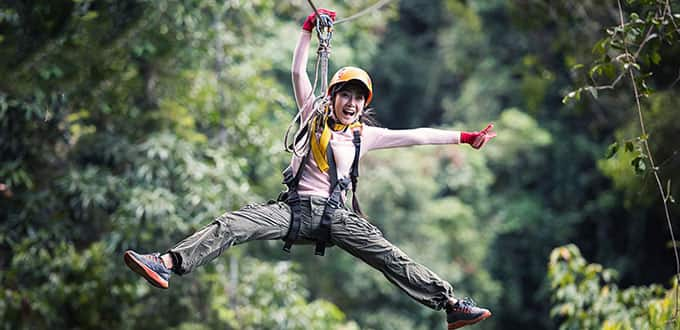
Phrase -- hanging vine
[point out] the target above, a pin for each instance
(631, 45)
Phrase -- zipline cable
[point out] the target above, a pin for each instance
(375, 6)
(316, 12)
(367, 10)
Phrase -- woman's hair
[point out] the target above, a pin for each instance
(368, 117)
(368, 114)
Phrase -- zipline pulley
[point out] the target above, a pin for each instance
(324, 31)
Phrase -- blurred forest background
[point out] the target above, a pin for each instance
(130, 124)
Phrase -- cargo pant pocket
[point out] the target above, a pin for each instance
(358, 226)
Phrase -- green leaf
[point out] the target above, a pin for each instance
(609, 70)
(595, 69)
(611, 150)
(630, 146)
(600, 47)
(90, 15)
(639, 165)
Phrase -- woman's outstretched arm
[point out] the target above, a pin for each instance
(381, 138)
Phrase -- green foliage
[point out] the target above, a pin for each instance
(631, 45)
(118, 132)
(271, 295)
(632, 157)
(587, 297)
(59, 287)
(129, 124)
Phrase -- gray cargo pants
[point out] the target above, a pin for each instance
(348, 231)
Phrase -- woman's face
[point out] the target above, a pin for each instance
(348, 104)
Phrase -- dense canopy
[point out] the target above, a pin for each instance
(130, 124)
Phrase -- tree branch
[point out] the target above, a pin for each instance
(655, 170)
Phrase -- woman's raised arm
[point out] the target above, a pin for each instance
(301, 84)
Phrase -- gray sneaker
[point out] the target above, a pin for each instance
(150, 266)
(464, 312)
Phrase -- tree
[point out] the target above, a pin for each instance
(586, 297)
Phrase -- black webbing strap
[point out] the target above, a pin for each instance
(354, 173)
(334, 201)
(293, 200)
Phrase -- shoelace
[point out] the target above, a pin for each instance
(154, 258)
(465, 305)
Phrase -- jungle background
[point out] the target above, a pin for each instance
(131, 124)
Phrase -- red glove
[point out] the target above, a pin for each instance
(478, 139)
(310, 22)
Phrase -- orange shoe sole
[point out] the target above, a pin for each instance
(141, 269)
(462, 323)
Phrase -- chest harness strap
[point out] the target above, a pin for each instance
(322, 234)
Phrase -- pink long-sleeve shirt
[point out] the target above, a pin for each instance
(315, 182)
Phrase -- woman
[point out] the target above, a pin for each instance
(311, 210)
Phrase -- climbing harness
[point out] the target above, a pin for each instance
(322, 234)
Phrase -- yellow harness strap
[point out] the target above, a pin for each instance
(320, 145)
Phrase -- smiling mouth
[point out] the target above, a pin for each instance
(348, 112)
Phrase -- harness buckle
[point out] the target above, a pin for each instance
(283, 196)
(343, 184)
(293, 199)
(333, 202)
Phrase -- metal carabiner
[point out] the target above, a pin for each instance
(324, 27)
